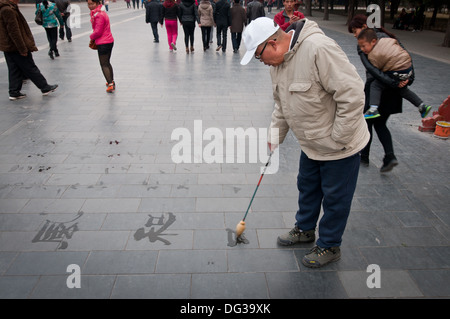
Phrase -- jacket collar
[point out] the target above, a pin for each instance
(302, 30)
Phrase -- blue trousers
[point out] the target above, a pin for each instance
(330, 184)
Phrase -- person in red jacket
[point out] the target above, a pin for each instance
(101, 36)
(288, 16)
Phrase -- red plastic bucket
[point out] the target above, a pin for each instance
(442, 129)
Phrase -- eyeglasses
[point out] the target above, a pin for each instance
(258, 57)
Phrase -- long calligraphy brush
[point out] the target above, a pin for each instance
(241, 225)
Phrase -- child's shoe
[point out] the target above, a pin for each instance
(424, 110)
(371, 114)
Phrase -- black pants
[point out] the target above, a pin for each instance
(104, 56)
(377, 87)
(20, 67)
(222, 30)
(384, 135)
(66, 26)
(189, 28)
(236, 40)
(206, 36)
(52, 37)
(155, 30)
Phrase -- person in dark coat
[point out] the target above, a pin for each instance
(238, 21)
(222, 19)
(63, 6)
(17, 43)
(153, 15)
(255, 9)
(188, 15)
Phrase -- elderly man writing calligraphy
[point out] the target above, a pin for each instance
(319, 96)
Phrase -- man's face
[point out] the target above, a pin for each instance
(271, 54)
(289, 5)
(366, 46)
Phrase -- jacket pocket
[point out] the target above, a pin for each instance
(303, 86)
(321, 141)
(317, 133)
(304, 94)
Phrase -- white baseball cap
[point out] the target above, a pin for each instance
(258, 31)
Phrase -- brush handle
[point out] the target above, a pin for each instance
(257, 186)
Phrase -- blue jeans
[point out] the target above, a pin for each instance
(332, 185)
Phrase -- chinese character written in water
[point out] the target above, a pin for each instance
(56, 232)
(154, 235)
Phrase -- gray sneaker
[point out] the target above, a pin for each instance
(319, 257)
(295, 236)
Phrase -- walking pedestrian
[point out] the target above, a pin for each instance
(238, 21)
(188, 15)
(63, 7)
(319, 96)
(222, 19)
(153, 15)
(103, 39)
(128, 4)
(269, 6)
(390, 101)
(135, 3)
(255, 9)
(17, 43)
(206, 16)
(170, 15)
(51, 19)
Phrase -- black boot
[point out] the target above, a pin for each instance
(389, 162)
(365, 159)
(50, 54)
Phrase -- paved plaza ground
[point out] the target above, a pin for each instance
(88, 180)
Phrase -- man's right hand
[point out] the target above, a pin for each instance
(272, 147)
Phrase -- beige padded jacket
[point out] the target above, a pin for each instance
(319, 96)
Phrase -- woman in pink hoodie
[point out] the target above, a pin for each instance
(103, 39)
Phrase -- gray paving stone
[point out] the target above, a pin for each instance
(305, 285)
(433, 283)
(17, 287)
(229, 286)
(171, 239)
(261, 260)
(111, 205)
(173, 286)
(120, 262)
(91, 287)
(19, 222)
(98, 240)
(400, 257)
(6, 258)
(191, 261)
(394, 283)
(45, 263)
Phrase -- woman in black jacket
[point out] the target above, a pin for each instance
(188, 15)
(391, 101)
